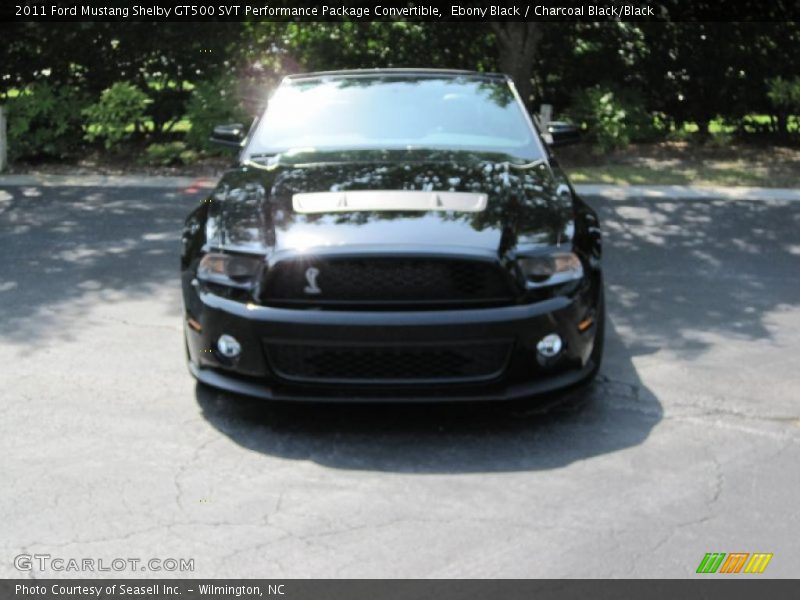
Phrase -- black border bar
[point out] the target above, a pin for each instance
(702, 587)
(392, 10)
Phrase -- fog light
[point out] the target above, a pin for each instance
(228, 346)
(550, 345)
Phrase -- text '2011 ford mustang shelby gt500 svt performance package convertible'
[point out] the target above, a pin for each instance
(393, 235)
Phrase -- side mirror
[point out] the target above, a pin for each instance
(561, 133)
(231, 135)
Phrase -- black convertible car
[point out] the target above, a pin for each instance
(393, 235)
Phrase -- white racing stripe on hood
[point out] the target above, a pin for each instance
(387, 200)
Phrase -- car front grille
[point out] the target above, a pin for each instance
(386, 281)
(404, 364)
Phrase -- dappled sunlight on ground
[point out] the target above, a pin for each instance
(71, 250)
(678, 268)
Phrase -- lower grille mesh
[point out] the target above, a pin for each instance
(389, 364)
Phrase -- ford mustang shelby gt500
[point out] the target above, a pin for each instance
(393, 235)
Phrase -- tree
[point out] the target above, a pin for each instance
(517, 44)
(158, 58)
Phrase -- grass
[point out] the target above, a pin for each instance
(704, 175)
(181, 126)
(752, 122)
(681, 163)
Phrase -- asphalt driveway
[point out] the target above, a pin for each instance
(689, 442)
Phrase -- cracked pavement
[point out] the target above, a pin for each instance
(687, 443)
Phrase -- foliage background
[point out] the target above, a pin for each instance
(623, 82)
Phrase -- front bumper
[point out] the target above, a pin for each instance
(521, 391)
(524, 375)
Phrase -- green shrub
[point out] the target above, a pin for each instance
(785, 94)
(785, 97)
(613, 119)
(44, 121)
(170, 153)
(212, 103)
(120, 111)
(167, 108)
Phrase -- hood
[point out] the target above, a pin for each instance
(253, 209)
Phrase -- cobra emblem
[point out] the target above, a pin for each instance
(311, 277)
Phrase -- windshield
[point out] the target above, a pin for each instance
(394, 112)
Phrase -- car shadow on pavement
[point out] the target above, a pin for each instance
(615, 412)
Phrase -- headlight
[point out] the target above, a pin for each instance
(550, 269)
(229, 269)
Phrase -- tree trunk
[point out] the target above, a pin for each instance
(782, 125)
(517, 44)
(703, 129)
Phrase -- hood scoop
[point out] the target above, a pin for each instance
(388, 200)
